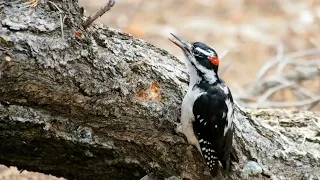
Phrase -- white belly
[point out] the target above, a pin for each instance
(187, 116)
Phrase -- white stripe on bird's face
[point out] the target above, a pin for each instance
(206, 53)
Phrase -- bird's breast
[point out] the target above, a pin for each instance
(188, 102)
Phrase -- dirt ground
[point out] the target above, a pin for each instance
(250, 30)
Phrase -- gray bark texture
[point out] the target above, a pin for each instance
(101, 104)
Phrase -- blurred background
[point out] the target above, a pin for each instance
(272, 56)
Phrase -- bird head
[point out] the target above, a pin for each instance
(202, 60)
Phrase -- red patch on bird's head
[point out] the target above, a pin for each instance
(214, 60)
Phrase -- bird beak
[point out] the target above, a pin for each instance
(183, 44)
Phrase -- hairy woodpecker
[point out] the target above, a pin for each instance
(207, 110)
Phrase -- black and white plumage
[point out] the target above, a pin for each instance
(207, 110)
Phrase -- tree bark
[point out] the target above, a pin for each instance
(101, 104)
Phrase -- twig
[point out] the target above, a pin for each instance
(291, 76)
(273, 104)
(62, 23)
(303, 53)
(62, 19)
(270, 64)
(302, 91)
(270, 91)
(265, 85)
(309, 63)
(244, 99)
(99, 13)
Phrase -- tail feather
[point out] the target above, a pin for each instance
(210, 156)
(214, 169)
(226, 164)
(233, 155)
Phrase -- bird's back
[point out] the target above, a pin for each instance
(213, 112)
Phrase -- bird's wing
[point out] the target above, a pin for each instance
(211, 118)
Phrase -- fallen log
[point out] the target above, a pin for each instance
(97, 103)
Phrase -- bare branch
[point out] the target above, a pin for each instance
(99, 13)
(259, 93)
(275, 104)
(271, 91)
(302, 91)
(303, 53)
(309, 63)
(270, 64)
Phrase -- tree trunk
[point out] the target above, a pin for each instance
(100, 104)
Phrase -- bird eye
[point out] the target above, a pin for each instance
(197, 53)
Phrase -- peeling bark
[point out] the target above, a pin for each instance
(101, 104)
